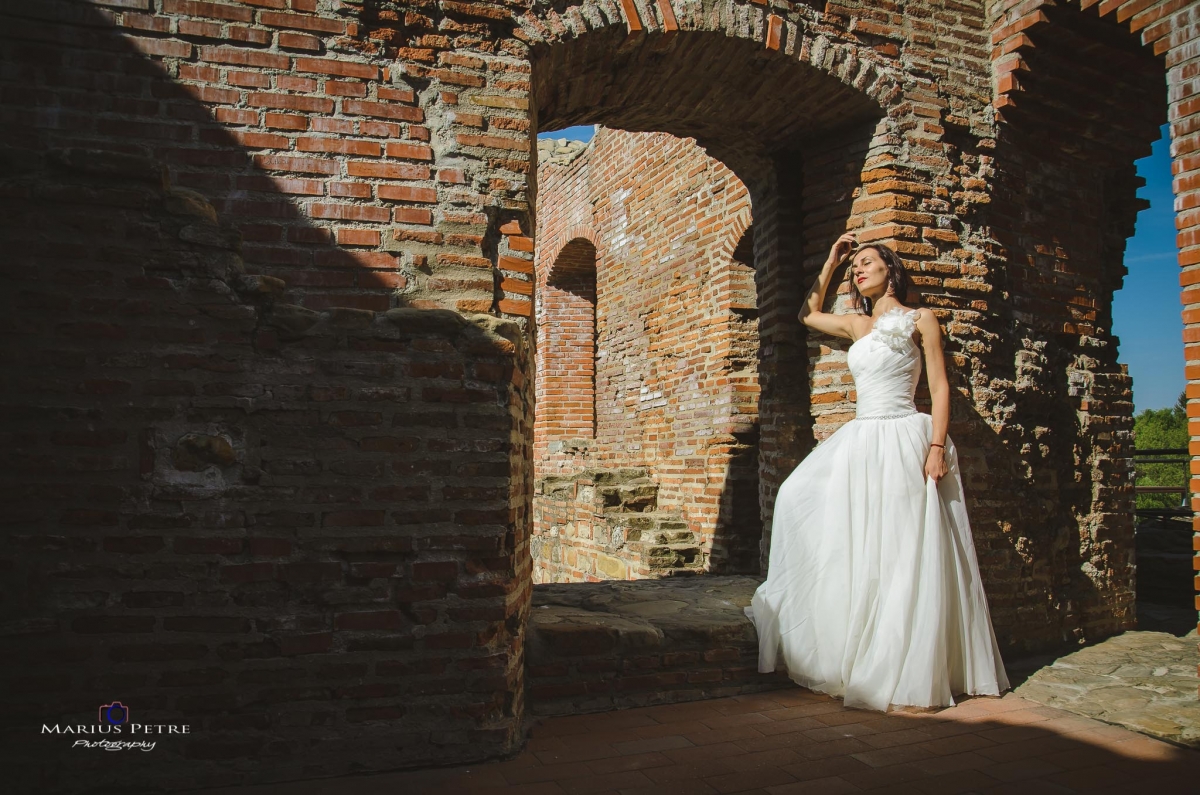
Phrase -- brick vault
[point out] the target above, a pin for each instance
(271, 356)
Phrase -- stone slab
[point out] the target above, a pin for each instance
(1145, 681)
(600, 646)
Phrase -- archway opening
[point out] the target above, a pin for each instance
(703, 377)
(707, 390)
(567, 356)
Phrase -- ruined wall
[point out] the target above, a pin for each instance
(1064, 260)
(289, 513)
(636, 237)
(231, 512)
(375, 156)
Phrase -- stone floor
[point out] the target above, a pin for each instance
(594, 647)
(793, 742)
(1145, 681)
(1054, 734)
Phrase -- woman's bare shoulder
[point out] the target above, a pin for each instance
(926, 321)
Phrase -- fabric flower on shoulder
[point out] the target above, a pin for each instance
(895, 328)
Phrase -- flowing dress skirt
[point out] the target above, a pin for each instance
(873, 591)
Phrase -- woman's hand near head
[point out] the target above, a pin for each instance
(811, 314)
(840, 249)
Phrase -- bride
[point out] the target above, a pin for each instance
(873, 591)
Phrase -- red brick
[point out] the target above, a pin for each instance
(409, 151)
(358, 237)
(358, 107)
(299, 41)
(339, 145)
(338, 67)
(301, 22)
(407, 193)
(239, 56)
(384, 170)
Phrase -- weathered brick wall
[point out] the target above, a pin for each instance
(636, 240)
(375, 156)
(243, 515)
(567, 354)
(290, 513)
(1063, 262)
(605, 524)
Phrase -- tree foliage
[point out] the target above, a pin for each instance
(1158, 429)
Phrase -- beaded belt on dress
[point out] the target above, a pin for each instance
(888, 416)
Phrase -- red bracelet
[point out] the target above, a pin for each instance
(935, 444)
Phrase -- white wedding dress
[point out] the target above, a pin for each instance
(873, 591)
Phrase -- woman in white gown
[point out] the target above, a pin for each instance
(873, 591)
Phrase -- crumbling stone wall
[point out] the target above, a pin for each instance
(376, 156)
(647, 356)
(604, 524)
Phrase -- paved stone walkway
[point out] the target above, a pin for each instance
(1143, 680)
(794, 742)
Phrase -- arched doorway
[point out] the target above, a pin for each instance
(801, 162)
(788, 154)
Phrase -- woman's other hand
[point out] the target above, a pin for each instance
(935, 464)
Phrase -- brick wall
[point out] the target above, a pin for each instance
(258, 502)
(254, 484)
(1145, 38)
(267, 522)
(636, 239)
(567, 353)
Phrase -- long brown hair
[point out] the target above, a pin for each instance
(897, 277)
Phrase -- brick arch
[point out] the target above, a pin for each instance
(566, 351)
(738, 226)
(637, 68)
(676, 361)
(645, 64)
(565, 254)
(796, 30)
(1161, 25)
(1087, 77)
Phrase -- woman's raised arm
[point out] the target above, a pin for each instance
(811, 315)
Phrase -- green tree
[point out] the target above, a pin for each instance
(1158, 429)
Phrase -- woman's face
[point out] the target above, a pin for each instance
(869, 273)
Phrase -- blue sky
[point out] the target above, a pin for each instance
(1146, 311)
(583, 133)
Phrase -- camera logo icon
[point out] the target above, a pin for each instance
(114, 714)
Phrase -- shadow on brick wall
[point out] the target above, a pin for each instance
(224, 508)
(1064, 203)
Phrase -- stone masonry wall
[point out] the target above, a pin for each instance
(605, 525)
(258, 503)
(652, 222)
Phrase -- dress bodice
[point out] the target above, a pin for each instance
(886, 364)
